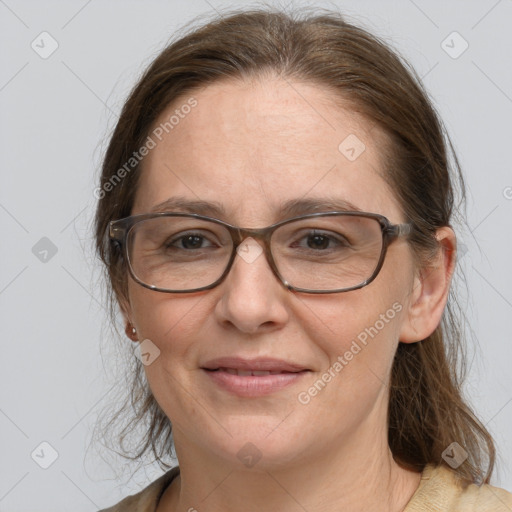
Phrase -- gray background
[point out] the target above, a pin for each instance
(56, 116)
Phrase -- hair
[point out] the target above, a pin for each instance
(427, 411)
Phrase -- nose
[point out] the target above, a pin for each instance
(253, 299)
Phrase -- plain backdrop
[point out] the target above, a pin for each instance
(56, 113)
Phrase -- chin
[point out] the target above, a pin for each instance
(256, 443)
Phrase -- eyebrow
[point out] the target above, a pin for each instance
(290, 208)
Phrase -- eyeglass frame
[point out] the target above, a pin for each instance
(120, 229)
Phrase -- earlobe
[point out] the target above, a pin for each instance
(429, 293)
(129, 329)
(131, 332)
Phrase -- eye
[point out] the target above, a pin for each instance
(189, 241)
(317, 240)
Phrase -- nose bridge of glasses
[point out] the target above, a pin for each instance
(240, 235)
(249, 252)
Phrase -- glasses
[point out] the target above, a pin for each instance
(327, 252)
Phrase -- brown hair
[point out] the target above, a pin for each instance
(427, 411)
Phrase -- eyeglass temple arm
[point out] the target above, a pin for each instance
(399, 230)
(116, 233)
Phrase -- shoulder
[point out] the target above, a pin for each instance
(442, 490)
(147, 499)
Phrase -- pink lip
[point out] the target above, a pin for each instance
(253, 385)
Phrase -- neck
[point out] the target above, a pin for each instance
(360, 476)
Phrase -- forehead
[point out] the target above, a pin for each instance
(253, 145)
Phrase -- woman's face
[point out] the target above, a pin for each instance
(252, 147)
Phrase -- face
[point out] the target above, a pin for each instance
(251, 147)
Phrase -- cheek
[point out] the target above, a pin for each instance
(170, 321)
(358, 354)
(358, 331)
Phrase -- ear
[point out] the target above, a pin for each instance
(429, 294)
(127, 314)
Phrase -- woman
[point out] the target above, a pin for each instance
(301, 360)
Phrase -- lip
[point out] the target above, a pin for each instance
(257, 364)
(224, 373)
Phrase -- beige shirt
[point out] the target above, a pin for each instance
(439, 491)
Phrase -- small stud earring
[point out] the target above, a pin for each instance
(130, 331)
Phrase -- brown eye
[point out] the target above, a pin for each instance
(189, 241)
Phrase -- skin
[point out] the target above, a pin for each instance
(252, 145)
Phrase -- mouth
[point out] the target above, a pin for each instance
(258, 366)
(247, 373)
(252, 378)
